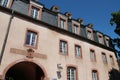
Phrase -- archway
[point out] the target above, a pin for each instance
(25, 71)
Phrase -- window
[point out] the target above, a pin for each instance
(107, 42)
(78, 51)
(94, 75)
(104, 58)
(92, 55)
(63, 47)
(34, 12)
(111, 60)
(31, 38)
(62, 24)
(4, 3)
(71, 73)
(100, 39)
(75, 29)
(89, 35)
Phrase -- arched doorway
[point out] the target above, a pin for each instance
(25, 71)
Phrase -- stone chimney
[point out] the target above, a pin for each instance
(68, 14)
(90, 25)
(55, 8)
(80, 21)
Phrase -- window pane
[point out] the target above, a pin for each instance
(31, 38)
(92, 55)
(63, 46)
(4, 3)
(89, 34)
(28, 38)
(94, 75)
(104, 58)
(77, 51)
(100, 39)
(111, 60)
(75, 29)
(71, 73)
(62, 23)
(34, 13)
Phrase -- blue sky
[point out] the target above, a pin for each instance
(97, 12)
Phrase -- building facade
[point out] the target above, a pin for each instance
(37, 43)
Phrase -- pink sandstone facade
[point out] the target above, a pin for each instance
(46, 55)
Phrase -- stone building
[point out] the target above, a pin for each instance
(37, 43)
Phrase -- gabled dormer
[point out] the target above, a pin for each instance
(35, 10)
(75, 27)
(100, 37)
(107, 41)
(89, 31)
(62, 21)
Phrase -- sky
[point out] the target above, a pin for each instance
(97, 12)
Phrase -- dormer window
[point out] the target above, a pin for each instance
(100, 38)
(89, 34)
(62, 21)
(75, 27)
(62, 24)
(107, 41)
(4, 3)
(34, 12)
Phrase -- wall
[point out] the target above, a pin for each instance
(48, 44)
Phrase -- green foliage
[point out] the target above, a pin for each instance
(116, 20)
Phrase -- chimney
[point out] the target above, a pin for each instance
(69, 15)
(80, 21)
(55, 8)
(90, 25)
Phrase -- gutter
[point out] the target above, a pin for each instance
(6, 36)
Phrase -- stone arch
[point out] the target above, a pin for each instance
(25, 60)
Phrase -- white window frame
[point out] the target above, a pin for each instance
(77, 51)
(89, 34)
(62, 24)
(33, 38)
(100, 38)
(71, 73)
(34, 12)
(94, 75)
(92, 55)
(63, 47)
(111, 60)
(75, 29)
(4, 3)
(104, 58)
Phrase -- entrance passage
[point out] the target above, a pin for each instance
(25, 71)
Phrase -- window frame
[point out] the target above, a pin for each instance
(107, 40)
(100, 38)
(80, 55)
(77, 25)
(3, 3)
(76, 71)
(111, 60)
(91, 31)
(36, 41)
(91, 55)
(37, 8)
(104, 58)
(60, 47)
(65, 19)
(33, 12)
(95, 75)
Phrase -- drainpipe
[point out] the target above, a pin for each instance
(6, 36)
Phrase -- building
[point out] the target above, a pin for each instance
(44, 44)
